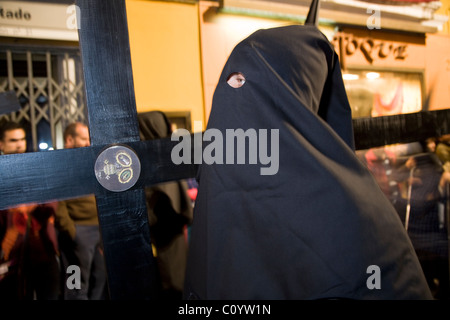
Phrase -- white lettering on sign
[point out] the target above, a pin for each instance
(18, 14)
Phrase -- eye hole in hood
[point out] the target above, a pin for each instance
(236, 80)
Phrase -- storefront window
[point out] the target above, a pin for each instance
(373, 93)
(49, 86)
(413, 176)
(414, 179)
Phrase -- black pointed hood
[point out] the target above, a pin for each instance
(318, 222)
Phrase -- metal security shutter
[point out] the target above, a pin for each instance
(49, 85)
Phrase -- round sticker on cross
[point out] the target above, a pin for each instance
(117, 168)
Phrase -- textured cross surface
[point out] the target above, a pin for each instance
(115, 168)
(118, 165)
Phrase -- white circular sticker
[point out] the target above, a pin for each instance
(117, 168)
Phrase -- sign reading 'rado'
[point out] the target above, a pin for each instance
(18, 14)
(39, 20)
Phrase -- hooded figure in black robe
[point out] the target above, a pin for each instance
(169, 213)
(319, 227)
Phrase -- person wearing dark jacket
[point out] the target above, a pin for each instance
(169, 213)
(79, 235)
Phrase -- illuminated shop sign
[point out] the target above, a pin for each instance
(38, 20)
(371, 49)
(17, 15)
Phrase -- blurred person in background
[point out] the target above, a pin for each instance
(79, 234)
(29, 263)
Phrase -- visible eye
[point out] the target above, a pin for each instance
(236, 80)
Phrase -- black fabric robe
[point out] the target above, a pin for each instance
(316, 228)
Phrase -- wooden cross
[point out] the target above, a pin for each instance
(62, 174)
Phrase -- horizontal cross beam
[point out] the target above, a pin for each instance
(400, 128)
(50, 174)
(47, 176)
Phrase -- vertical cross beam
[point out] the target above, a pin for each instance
(105, 51)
